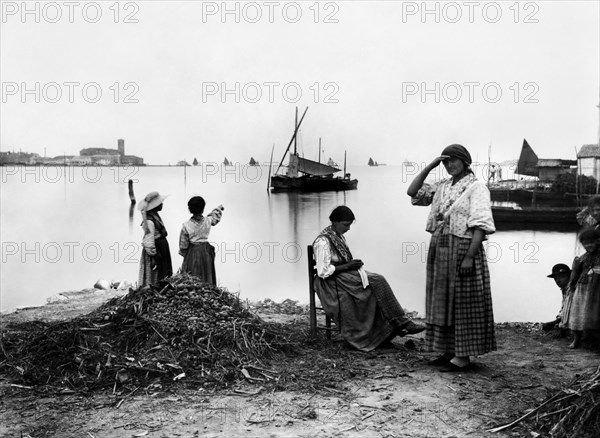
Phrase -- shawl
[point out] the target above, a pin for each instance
(338, 242)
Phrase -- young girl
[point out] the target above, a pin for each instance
(198, 254)
(582, 310)
(155, 263)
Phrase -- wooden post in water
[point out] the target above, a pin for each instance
(131, 195)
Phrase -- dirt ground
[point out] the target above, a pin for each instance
(389, 392)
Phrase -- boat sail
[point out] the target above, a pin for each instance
(372, 163)
(253, 162)
(308, 175)
(226, 162)
(528, 161)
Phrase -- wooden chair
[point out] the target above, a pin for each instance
(312, 272)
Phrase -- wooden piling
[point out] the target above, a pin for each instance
(131, 195)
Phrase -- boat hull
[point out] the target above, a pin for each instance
(282, 183)
(546, 216)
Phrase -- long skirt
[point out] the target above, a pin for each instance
(200, 261)
(459, 314)
(162, 262)
(582, 307)
(367, 317)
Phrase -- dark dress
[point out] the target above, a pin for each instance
(155, 267)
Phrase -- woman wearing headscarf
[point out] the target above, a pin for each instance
(459, 315)
(155, 262)
(361, 303)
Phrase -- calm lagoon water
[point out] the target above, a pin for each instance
(64, 228)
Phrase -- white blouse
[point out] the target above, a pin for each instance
(197, 231)
(473, 210)
(324, 257)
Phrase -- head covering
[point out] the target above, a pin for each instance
(341, 213)
(151, 201)
(589, 234)
(458, 151)
(559, 269)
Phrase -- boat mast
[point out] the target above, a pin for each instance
(344, 164)
(577, 180)
(291, 140)
(489, 164)
(598, 174)
(270, 165)
(319, 150)
(296, 130)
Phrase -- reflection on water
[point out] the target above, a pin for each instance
(260, 242)
(131, 212)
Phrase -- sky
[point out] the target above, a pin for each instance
(392, 80)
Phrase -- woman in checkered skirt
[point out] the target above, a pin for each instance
(459, 315)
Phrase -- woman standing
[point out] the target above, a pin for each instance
(361, 303)
(155, 263)
(459, 315)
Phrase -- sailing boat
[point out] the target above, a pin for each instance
(253, 162)
(534, 215)
(374, 163)
(309, 176)
(332, 163)
(226, 162)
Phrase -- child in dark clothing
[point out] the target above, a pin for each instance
(198, 254)
(561, 274)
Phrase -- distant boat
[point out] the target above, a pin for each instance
(374, 163)
(309, 176)
(226, 162)
(253, 162)
(332, 163)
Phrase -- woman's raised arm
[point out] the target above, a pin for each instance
(417, 183)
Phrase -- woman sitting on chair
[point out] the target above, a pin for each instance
(361, 303)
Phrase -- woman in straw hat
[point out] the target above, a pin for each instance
(155, 263)
(458, 302)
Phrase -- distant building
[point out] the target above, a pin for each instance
(86, 157)
(20, 158)
(111, 157)
(550, 168)
(588, 160)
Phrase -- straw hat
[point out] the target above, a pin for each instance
(151, 201)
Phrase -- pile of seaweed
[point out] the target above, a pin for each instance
(286, 307)
(181, 329)
(574, 411)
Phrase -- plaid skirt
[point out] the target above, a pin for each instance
(199, 260)
(164, 268)
(459, 314)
